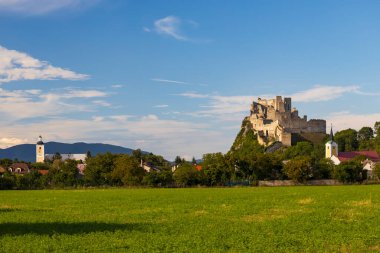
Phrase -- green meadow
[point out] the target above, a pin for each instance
(279, 219)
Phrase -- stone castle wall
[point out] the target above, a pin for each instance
(276, 120)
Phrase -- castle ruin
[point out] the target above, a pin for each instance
(275, 120)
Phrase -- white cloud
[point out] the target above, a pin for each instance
(16, 66)
(169, 26)
(36, 7)
(101, 103)
(22, 104)
(75, 93)
(344, 120)
(9, 142)
(167, 81)
(161, 136)
(117, 86)
(225, 108)
(146, 29)
(121, 118)
(161, 106)
(193, 95)
(97, 118)
(323, 93)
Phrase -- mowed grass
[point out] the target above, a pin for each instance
(282, 219)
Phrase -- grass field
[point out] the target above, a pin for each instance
(291, 219)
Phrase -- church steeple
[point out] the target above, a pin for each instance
(331, 146)
(331, 134)
(40, 150)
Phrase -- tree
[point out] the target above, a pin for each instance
(7, 181)
(377, 128)
(350, 171)
(216, 169)
(323, 169)
(298, 169)
(302, 148)
(57, 156)
(5, 162)
(177, 160)
(137, 154)
(127, 171)
(365, 134)
(376, 171)
(158, 178)
(186, 175)
(267, 167)
(347, 140)
(99, 168)
(40, 166)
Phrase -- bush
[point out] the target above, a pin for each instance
(298, 169)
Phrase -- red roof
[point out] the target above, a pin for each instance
(43, 172)
(198, 167)
(371, 155)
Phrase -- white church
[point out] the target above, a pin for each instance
(41, 156)
(332, 152)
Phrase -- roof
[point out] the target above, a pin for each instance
(40, 142)
(2, 170)
(64, 157)
(43, 172)
(371, 155)
(23, 166)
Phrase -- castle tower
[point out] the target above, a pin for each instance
(40, 150)
(331, 146)
(288, 104)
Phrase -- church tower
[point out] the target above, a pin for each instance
(40, 150)
(331, 146)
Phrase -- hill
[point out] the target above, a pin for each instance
(27, 152)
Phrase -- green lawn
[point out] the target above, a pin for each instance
(294, 219)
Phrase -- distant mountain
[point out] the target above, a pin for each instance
(27, 152)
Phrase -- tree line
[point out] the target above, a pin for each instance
(245, 163)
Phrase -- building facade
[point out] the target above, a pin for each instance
(276, 120)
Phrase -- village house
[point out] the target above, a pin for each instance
(148, 167)
(332, 152)
(19, 168)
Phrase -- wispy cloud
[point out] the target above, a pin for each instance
(193, 95)
(226, 108)
(160, 80)
(230, 108)
(117, 86)
(173, 27)
(170, 26)
(76, 93)
(9, 142)
(38, 7)
(161, 106)
(345, 119)
(25, 104)
(102, 103)
(16, 66)
(323, 93)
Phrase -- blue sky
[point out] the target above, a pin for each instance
(177, 77)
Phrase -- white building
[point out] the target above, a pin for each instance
(41, 156)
